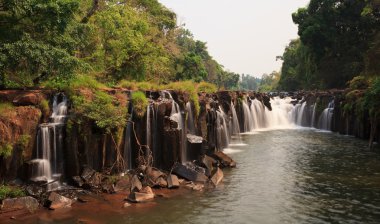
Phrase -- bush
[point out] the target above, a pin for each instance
(372, 98)
(23, 141)
(102, 110)
(6, 150)
(143, 86)
(140, 103)
(127, 84)
(358, 82)
(10, 192)
(206, 87)
(44, 107)
(6, 108)
(187, 87)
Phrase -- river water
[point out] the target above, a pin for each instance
(283, 176)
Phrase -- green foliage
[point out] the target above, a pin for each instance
(358, 82)
(10, 192)
(187, 87)
(127, 84)
(144, 86)
(371, 98)
(338, 40)
(206, 87)
(23, 141)
(102, 109)
(44, 106)
(140, 103)
(269, 82)
(249, 82)
(5, 108)
(6, 150)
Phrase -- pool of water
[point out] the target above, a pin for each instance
(283, 176)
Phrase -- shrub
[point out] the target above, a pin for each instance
(44, 107)
(358, 82)
(10, 192)
(23, 141)
(187, 87)
(143, 86)
(6, 150)
(206, 87)
(6, 108)
(140, 103)
(127, 84)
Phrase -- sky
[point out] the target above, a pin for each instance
(245, 36)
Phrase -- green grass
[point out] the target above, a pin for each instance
(207, 87)
(140, 103)
(10, 192)
(186, 87)
(5, 107)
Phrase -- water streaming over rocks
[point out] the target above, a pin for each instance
(48, 164)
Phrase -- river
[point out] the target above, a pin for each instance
(283, 176)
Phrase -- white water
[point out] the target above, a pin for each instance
(324, 122)
(190, 119)
(221, 129)
(50, 144)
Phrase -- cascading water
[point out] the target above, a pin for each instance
(324, 122)
(127, 143)
(313, 115)
(190, 119)
(248, 123)
(222, 130)
(148, 132)
(234, 123)
(257, 113)
(176, 115)
(48, 164)
(279, 117)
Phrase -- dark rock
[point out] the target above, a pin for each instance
(190, 172)
(57, 201)
(108, 188)
(122, 184)
(224, 160)
(172, 181)
(145, 194)
(24, 203)
(78, 181)
(154, 173)
(35, 190)
(194, 147)
(136, 184)
(217, 177)
(209, 163)
(87, 174)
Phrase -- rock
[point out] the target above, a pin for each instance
(136, 184)
(145, 194)
(57, 201)
(208, 163)
(28, 99)
(172, 181)
(122, 185)
(35, 190)
(87, 174)
(194, 147)
(78, 181)
(224, 160)
(194, 186)
(126, 205)
(108, 188)
(161, 182)
(154, 173)
(12, 204)
(217, 177)
(190, 172)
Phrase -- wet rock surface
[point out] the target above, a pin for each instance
(57, 201)
(28, 203)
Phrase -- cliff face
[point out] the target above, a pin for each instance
(19, 119)
(157, 137)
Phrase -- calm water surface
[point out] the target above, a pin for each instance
(283, 176)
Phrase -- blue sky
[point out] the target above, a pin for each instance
(243, 35)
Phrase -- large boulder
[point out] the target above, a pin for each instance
(57, 201)
(24, 203)
(28, 99)
(224, 160)
(190, 172)
(217, 177)
(172, 181)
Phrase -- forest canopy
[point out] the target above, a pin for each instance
(136, 40)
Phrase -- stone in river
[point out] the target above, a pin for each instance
(136, 184)
(24, 203)
(145, 194)
(217, 177)
(190, 172)
(57, 201)
(224, 160)
(173, 181)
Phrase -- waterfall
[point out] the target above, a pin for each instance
(222, 130)
(48, 164)
(248, 123)
(279, 117)
(235, 122)
(313, 115)
(190, 119)
(127, 142)
(324, 122)
(148, 132)
(176, 115)
(257, 113)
